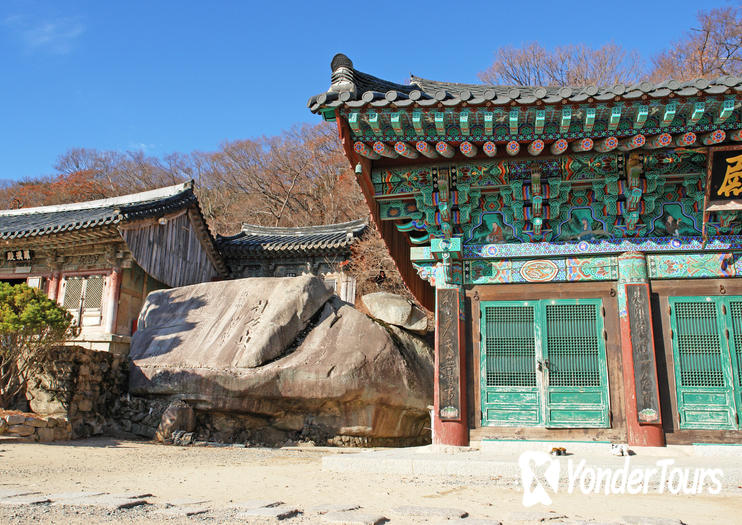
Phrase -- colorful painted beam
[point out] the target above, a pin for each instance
(736, 135)
(615, 118)
(559, 147)
(627, 144)
(440, 123)
(354, 121)
(489, 148)
(464, 123)
(512, 148)
(417, 122)
(489, 123)
(405, 151)
(566, 120)
(384, 150)
(536, 147)
(513, 121)
(658, 141)
(589, 120)
(444, 149)
(585, 144)
(374, 120)
(365, 151)
(699, 108)
(468, 149)
(396, 120)
(606, 145)
(715, 137)
(642, 112)
(540, 121)
(669, 114)
(426, 149)
(727, 107)
(686, 139)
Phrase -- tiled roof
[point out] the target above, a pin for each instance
(45, 220)
(355, 89)
(269, 241)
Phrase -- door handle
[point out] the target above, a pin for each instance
(539, 365)
(547, 364)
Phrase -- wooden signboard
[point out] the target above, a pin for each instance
(642, 344)
(725, 173)
(449, 370)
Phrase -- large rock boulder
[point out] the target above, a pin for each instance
(230, 324)
(395, 309)
(348, 376)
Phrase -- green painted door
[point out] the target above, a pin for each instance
(543, 364)
(511, 386)
(706, 339)
(575, 364)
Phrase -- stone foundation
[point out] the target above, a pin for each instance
(32, 427)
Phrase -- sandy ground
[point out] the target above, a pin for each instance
(226, 476)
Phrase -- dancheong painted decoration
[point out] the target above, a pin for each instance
(568, 221)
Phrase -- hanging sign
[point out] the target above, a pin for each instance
(19, 255)
(725, 177)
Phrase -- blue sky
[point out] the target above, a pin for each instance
(165, 76)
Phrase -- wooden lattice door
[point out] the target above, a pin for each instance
(707, 344)
(575, 364)
(543, 364)
(511, 387)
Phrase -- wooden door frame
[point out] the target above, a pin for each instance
(605, 290)
(661, 290)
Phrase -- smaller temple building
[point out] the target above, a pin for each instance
(264, 251)
(100, 259)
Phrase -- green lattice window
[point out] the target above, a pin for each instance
(707, 338)
(573, 347)
(510, 346)
(73, 292)
(699, 344)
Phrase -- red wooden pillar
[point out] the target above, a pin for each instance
(53, 289)
(112, 299)
(450, 426)
(641, 390)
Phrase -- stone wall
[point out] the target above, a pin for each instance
(79, 386)
(34, 427)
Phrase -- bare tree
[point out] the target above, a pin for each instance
(572, 65)
(711, 49)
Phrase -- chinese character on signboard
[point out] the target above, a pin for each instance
(19, 255)
(726, 174)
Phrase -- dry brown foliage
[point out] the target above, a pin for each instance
(572, 65)
(299, 178)
(296, 179)
(709, 50)
(374, 268)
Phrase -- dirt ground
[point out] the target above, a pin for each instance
(225, 476)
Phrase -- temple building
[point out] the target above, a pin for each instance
(100, 259)
(264, 251)
(579, 245)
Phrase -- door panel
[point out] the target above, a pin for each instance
(510, 391)
(735, 342)
(703, 372)
(574, 357)
(543, 364)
